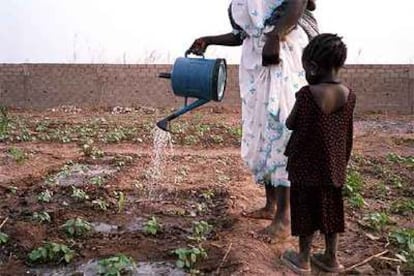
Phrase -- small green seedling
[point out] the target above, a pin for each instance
(76, 227)
(188, 257)
(208, 195)
(200, 230)
(51, 252)
(116, 265)
(79, 194)
(353, 187)
(97, 180)
(404, 239)
(403, 207)
(4, 238)
(377, 221)
(152, 226)
(101, 204)
(18, 155)
(41, 217)
(45, 196)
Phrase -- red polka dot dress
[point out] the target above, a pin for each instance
(318, 152)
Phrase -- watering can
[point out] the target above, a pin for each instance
(199, 78)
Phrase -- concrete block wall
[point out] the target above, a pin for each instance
(380, 88)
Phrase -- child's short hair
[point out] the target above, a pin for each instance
(326, 50)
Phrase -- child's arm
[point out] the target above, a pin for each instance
(297, 111)
(291, 120)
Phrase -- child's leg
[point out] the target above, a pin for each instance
(300, 262)
(331, 246)
(281, 221)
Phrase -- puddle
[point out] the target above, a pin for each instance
(134, 225)
(79, 174)
(91, 269)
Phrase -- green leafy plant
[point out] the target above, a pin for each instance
(45, 196)
(404, 239)
(116, 265)
(79, 194)
(41, 217)
(152, 226)
(4, 238)
(200, 230)
(89, 150)
(353, 187)
(188, 257)
(208, 195)
(377, 221)
(76, 227)
(395, 158)
(4, 123)
(51, 252)
(101, 204)
(18, 155)
(97, 180)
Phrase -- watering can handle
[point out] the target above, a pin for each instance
(188, 52)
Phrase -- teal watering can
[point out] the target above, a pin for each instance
(199, 78)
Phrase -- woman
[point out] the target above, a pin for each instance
(272, 36)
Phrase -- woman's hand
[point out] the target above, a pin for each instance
(199, 46)
(270, 52)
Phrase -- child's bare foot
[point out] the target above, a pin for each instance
(296, 262)
(263, 213)
(327, 263)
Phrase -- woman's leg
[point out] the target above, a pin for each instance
(331, 246)
(300, 262)
(268, 211)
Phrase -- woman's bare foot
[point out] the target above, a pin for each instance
(263, 213)
(327, 263)
(276, 230)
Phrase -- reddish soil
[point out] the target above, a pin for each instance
(202, 179)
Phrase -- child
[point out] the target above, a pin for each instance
(318, 152)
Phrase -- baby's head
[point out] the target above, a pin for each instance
(324, 55)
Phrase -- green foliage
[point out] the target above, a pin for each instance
(188, 257)
(18, 155)
(4, 238)
(101, 204)
(45, 196)
(51, 252)
(41, 217)
(97, 180)
(403, 207)
(79, 194)
(89, 150)
(200, 230)
(395, 158)
(4, 123)
(404, 239)
(377, 221)
(208, 195)
(353, 187)
(115, 266)
(76, 227)
(152, 226)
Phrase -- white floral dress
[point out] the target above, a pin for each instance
(267, 93)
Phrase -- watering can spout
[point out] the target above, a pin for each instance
(164, 123)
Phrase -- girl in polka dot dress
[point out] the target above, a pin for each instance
(318, 152)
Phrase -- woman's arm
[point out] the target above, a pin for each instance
(283, 20)
(200, 45)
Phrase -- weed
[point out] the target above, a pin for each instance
(101, 204)
(152, 226)
(377, 221)
(41, 217)
(18, 155)
(45, 196)
(79, 194)
(217, 139)
(4, 238)
(188, 257)
(115, 265)
(51, 252)
(76, 227)
(208, 195)
(395, 158)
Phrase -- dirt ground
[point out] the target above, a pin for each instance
(109, 155)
